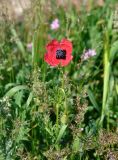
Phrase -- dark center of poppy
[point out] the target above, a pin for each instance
(60, 54)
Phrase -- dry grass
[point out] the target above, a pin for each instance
(13, 9)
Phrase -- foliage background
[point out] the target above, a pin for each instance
(59, 113)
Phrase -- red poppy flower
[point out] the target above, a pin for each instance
(59, 53)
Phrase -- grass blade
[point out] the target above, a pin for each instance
(92, 99)
(62, 130)
(12, 91)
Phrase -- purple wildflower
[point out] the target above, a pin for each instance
(89, 53)
(29, 46)
(55, 24)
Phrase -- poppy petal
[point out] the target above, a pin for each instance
(66, 42)
(51, 54)
(47, 59)
(52, 47)
(53, 43)
(66, 45)
(67, 61)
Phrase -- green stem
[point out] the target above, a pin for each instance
(65, 101)
(57, 115)
(106, 80)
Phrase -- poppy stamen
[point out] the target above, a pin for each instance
(60, 54)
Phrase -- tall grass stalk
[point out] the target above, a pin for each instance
(35, 50)
(105, 79)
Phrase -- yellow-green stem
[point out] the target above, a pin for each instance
(106, 79)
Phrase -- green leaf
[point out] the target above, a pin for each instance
(29, 99)
(12, 91)
(76, 144)
(9, 85)
(18, 98)
(92, 99)
(117, 88)
(110, 23)
(113, 50)
(18, 42)
(61, 133)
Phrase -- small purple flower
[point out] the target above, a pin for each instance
(55, 24)
(89, 53)
(29, 46)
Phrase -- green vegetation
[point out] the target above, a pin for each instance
(59, 113)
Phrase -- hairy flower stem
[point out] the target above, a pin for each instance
(57, 115)
(105, 80)
(65, 100)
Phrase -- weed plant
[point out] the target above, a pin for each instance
(59, 113)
